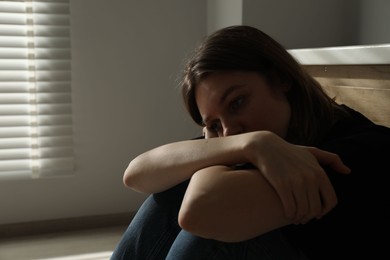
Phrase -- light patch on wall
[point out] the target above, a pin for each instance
(91, 256)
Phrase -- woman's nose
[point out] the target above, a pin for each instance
(232, 129)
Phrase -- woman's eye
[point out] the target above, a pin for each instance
(235, 104)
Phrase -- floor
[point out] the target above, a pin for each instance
(95, 244)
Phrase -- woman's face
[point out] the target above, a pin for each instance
(238, 102)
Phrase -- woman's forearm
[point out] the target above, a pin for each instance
(230, 205)
(165, 166)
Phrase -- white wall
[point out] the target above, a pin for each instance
(318, 23)
(307, 23)
(304, 23)
(126, 56)
(222, 13)
(374, 20)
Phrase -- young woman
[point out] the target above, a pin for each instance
(282, 171)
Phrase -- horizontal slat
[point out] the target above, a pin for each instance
(41, 109)
(44, 153)
(12, 76)
(39, 53)
(12, 30)
(41, 120)
(12, 18)
(14, 165)
(13, 143)
(60, 41)
(44, 87)
(14, 154)
(43, 141)
(23, 65)
(12, 7)
(27, 131)
(44, 98)
(14, 132)
(39, 19)
(19, 31)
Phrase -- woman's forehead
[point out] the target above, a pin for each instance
(224, 83)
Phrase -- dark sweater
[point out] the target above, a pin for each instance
(359, 225)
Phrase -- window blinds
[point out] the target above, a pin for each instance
(35, 89)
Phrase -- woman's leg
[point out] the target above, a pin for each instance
(154, 227)
(270, 246)
(154, 234)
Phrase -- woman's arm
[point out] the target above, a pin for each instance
(234, 205)
(230, 205)
(165, 166)
(293, 171)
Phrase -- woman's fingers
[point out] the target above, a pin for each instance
(303, 205)
(314, 209)
(322, 198)
(287, 197)
(297, 174)
(307, 192)
(328, 196)
(329, 159)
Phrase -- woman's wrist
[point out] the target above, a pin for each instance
(254, 144)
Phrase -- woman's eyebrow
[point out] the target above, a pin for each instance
(230, 90)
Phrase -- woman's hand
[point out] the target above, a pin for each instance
(208, 133)
(295, 172)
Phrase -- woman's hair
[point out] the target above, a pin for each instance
(244, 48)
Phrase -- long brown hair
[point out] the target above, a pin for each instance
(245, 48)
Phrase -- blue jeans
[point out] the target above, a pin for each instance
(154, 234)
